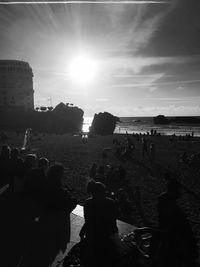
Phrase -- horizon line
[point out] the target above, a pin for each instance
(83, 2)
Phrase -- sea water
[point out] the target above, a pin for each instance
(145, 124)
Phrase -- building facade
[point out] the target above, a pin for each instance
(16, 84)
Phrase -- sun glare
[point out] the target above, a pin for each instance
(82, 70)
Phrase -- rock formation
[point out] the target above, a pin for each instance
(103, 123)
(160, 119)
(62, 119)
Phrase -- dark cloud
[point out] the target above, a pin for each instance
(179, 78)
(179, 32)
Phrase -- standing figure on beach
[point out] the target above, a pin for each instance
(93, 171)
(144, 148)
(152, 153)
(99, 228)
(178, 246)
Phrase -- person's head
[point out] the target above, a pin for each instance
(14, 154)
(54, 175)
(91, 187)
(99, 192)
(173, 188)
(30, 160)
(5, 151)
(94, 165)
(43, 163)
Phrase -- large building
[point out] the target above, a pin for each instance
(16, 84)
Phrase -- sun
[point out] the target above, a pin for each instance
(82, 70)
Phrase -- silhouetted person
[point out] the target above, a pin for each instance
(110, 178)
(15, 167)
(100, 177)
(38, 175)
(27, 166)
(10, 217)
(128, 148)
(123, 206)
(34, 193)
(35, 185)
(144, 148)
(121, 174)
(152, 153)
(93, 171)
(54, 224)
(18, 217)
(100, 226)
(178, 247)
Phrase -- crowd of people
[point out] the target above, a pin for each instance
(115, 181)
(35, 209)
(127, 148)
(36, 215)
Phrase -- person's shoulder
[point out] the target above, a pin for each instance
(88, 201)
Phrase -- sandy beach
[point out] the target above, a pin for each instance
(143, 178)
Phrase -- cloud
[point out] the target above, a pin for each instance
(153, 88)
(154, 110)
(178, 33)
(180, 88)
(36, 2)
(177, 99)
(179, 72)
(134, 26)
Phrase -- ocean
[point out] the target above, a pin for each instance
(145, 124)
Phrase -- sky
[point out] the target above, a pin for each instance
(146, 53)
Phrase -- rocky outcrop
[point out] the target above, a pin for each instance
(160, 119)
(62, 119)
(103, 123)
